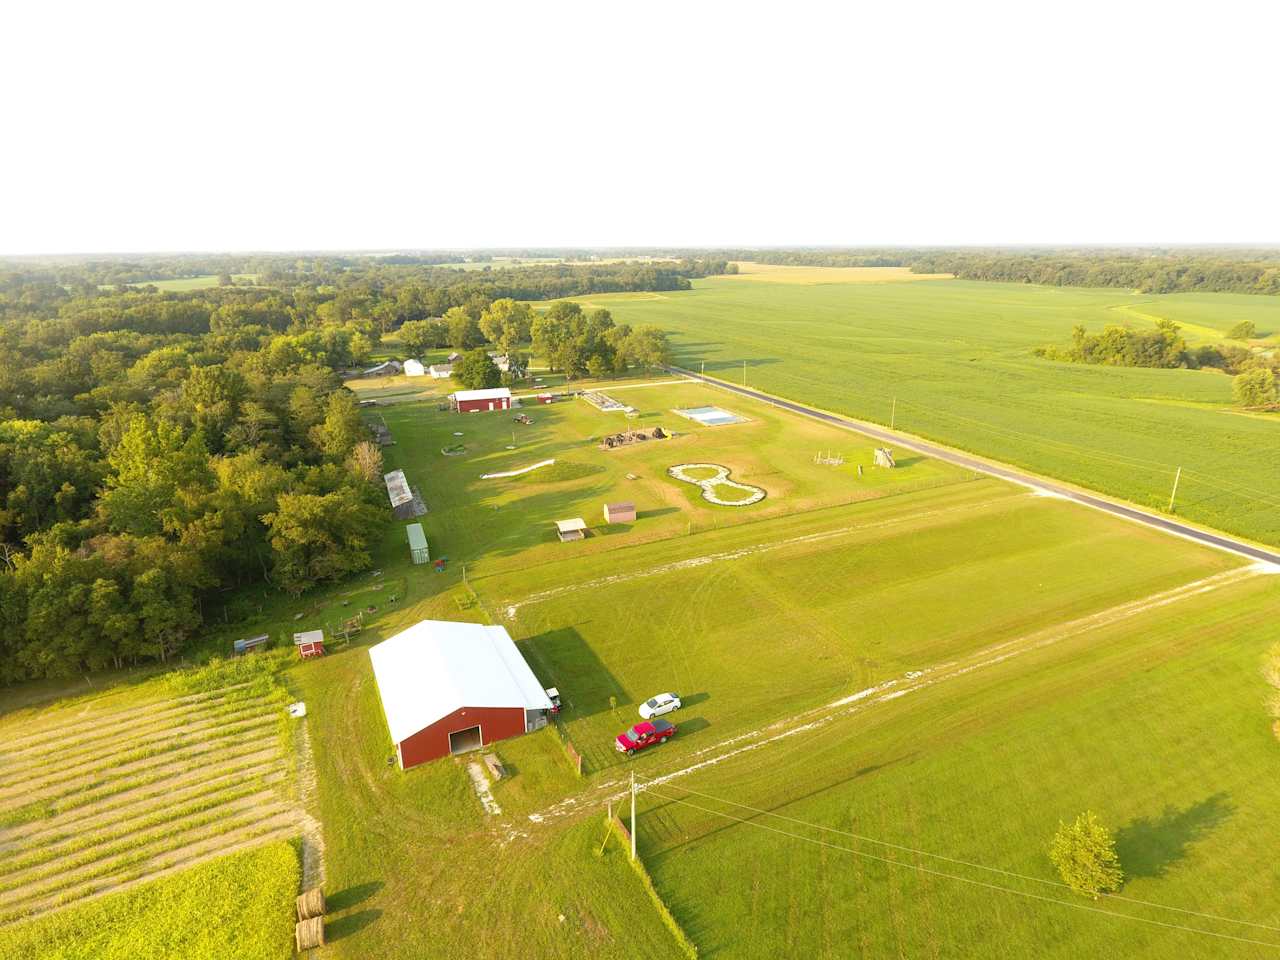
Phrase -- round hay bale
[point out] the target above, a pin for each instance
(309, 934)
(311, 904)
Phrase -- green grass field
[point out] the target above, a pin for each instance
(240, 905)
(920, 657)
(185, 284)
(957, 356)
(1019, 651)
(1157, 724)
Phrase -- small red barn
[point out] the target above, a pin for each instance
(310, 644)
(475, 401)
(449, 687)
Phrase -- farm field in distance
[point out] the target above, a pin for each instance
(957, 356)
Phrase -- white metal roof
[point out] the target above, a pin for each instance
(496, 393)
(308, 636)
(398, 491)
(568, 526)
(435, 667)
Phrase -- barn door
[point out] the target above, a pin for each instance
(460, 741)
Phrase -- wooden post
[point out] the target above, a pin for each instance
(1176, 477)
(633, 816)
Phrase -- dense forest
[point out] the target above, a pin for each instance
(160, 449)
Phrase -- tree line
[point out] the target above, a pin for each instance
(1223, 271)
(162, 451)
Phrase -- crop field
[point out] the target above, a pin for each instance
(239, 905)
(956, 356)
(103, 792)
(776, 273)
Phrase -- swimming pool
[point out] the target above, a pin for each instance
(710, 416)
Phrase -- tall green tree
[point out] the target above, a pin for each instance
(317, 538)
(1254, 388)
(464, 331)
(477, 371)
(507, 323)
(1085, 854)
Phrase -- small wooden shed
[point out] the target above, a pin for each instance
(884, 457)
(622, 512)
(417, 543)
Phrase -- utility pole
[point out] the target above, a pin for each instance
(633, 815)
(704, 368)
(744, 373)
(893, 413)
(1176, 477)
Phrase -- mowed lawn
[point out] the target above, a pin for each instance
(757, 623)
(957, 356)
(508, 523)
(1159, 724)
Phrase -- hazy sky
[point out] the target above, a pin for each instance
(268, 126)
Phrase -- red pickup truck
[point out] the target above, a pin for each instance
(644, 735)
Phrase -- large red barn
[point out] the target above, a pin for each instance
(474, 401)
(451, 687)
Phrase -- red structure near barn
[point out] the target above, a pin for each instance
(449, 687)
(476, 401)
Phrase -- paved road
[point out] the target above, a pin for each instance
(1220, 541)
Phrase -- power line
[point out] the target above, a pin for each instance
(969, 880)
(976, 866)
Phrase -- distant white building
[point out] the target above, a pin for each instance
(414, 368)
(441, 371)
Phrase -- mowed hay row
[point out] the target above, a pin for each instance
(73, 753)
(58, 841)
(141, 790)
(64, 724)
(239, 835)
(128, 848)
(84, 798)
(136, 759)
(87, 812)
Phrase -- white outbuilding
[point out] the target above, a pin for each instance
(414, 368)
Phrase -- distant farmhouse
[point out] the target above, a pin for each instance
(414, 368)
(441, 371)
